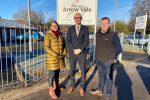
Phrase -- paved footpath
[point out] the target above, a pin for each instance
(131, 82)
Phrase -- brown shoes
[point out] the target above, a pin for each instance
(107, 98)
(71, 89)
(97, 92)
(81, 92)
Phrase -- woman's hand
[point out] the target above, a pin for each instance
(60, 57)
(63, 56)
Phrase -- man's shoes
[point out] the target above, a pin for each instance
(81, 92)
(96, 92)
(71, 89)
(107, 98)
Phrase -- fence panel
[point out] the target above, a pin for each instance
(18, 64)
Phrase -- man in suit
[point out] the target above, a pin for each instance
(77, 41)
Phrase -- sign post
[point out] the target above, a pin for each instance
(140, 24)
(66, 9)
(29, 19)
(95, 31)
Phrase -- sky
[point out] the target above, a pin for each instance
(106, 8)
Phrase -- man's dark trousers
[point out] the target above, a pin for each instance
(77, 42)
(82, 62)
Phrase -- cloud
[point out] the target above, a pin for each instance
(125, 8)
(122, 14)
(119, 11)
(15, 10)
(122, 11)
(50, 14)
(38, 3)
(101, 11)
(103, 15)
(46, 5)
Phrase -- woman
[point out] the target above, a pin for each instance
(55, 48)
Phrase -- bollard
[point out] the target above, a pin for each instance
(148, 46)
(121, 41)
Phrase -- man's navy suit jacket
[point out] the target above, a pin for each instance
(77, 42)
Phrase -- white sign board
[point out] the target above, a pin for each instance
(66, 9)
(141, 22)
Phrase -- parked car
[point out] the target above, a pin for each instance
(126, 35)
(41, 33)
(34, 36)
(132, 34)
(63, 33)
(138, 40)
(91, 33)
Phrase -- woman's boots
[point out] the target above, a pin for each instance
(52, 93)
(57, 85)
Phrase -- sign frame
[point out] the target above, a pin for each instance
(143, 25)
(96, 5)
(94, 10)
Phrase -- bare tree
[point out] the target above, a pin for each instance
(134, 12)
(139, 8)
(49, 22)
(145, 8)
(41, 17)
(22, 14)
(136, 6)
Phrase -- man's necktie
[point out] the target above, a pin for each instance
(77, 31)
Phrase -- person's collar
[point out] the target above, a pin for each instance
(77, 25)
(105, 31)
(54, 31)
(58, 32)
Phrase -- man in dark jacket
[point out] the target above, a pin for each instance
(108, 47)
(77, 41)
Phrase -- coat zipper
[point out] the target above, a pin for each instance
(59, 49)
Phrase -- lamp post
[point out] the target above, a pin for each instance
(46, 18)
(29, 20)
(115, 16)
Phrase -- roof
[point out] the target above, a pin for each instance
(26, 22)
(23, 22)
(12, 24)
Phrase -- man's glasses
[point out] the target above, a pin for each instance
(77, 17)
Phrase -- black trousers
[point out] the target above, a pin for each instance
(82, 62)
(53, 74)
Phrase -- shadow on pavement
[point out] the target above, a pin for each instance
(123, 83)
(79, 80)
(63, 84)
(90, 78)
(144, 73)
(66, 80)
(137, 57)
